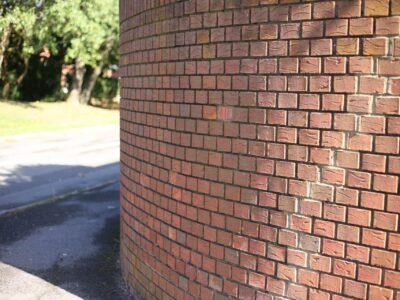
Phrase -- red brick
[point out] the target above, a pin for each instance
(361, 142)
(369, 274)
(309, 101)
(372, 85)
(346, 122)
(349, 9)
(348, 159)
(359, 104)
(256, 280)
(320, 263)
(372, 124)
(388, 26)
(347, 196)
(296, 291)
(312, 29)
(387, 144)
(268, 31)
(301, 223)
(355, 289)
(321, 47)
(388, 105)
(359, 179)
(375, 46)
(348, 233)
(379, 293)
(322, 192)
(344, 268)
(388, 67)
(333, 176)
(372, 200)
(333, 102)
(308, 278)
(392, 279)
(320, 84)
(336, 27)
(361, 217)
(386, 221)
(386, 183)
(375, 163)
(394, 125)
(261, 143)
(324, 228)
(347, 46)
(384, 259)
(361, 64)
(394, 86)
(358, 253)
(331, 283)
(310, 65)
(345, 84)
(375, 238)
(393, 203)
(301, 12)
(320, 120)
(376, 7)
(335, 65)
(333, 248)
(275, 286)
(361, 26)
(309, 137)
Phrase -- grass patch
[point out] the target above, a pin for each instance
(21, 118)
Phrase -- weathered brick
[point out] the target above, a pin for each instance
(260, 149)
(376, 7)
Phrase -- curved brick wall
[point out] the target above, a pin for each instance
(260, 149)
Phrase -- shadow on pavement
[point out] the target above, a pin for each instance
(73, 244)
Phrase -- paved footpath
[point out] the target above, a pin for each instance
(40, 166)
(63, 250)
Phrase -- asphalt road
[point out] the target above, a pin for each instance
(69, 248)
(72, 245)
(39, 166)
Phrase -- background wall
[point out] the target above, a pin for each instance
(260, 148)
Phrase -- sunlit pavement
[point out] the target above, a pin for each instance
(70, 249)
(39, 166)
(17, 284)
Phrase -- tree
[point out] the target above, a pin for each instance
(88, 31)
(17, 28)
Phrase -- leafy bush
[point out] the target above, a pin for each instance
(105, 88)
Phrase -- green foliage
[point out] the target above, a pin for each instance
(21, 16)
(105, 88)
(71, 29)
(81, 27)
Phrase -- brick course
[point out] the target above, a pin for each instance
(260, 144)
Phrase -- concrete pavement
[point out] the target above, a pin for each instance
(16, 284)
(40, 166)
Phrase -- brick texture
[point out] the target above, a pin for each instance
(260, 144)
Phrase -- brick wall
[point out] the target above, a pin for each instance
(260, 149)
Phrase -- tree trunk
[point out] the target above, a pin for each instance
(5, 93)
(77, 82)
(10, 84)
(87, 91)
(86, 94)
(4, 43)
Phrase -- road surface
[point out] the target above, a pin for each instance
(40, 166)
(66, 249)
(63, 250)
